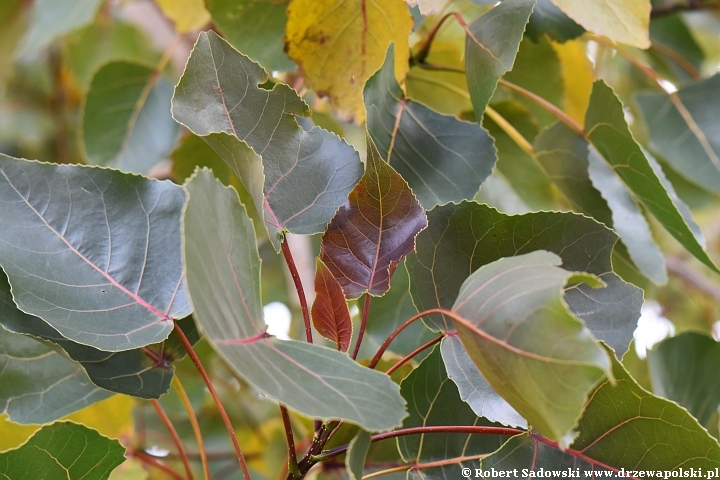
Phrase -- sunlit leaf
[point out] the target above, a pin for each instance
(624, 21)
(53, 18)
(340, 43)
(223, 268)
(256, 28)
(442, 158)
(526, 343)
(683, 369)
(307, 174)
(330, 314)
(127, 122)
(491, 46)
(187, 15)
(461, 238)
(683, 129)
(433, 400)
(608, 132)
(63, 450)
(93, 252)
(578, 76)
(373, 230)
(473, 387)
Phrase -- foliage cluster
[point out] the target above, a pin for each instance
(465, 206)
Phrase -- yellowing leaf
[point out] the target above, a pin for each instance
(426, 6)
(624, 21)
(187, 15)
(12, 434)
(577, 78)
(339, 44)
(111, 417)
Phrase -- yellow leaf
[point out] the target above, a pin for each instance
(187, 15)
(13, 435)
(577, 75)
(339, 44)
(112, 417)
(131, 469)
(623, 21)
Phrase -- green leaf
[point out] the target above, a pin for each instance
(93, 252)
(373, 230)
(433, 400)
(623, 21)
(307, 174)
(461, 238)
(491, 46)
(53, 18)
(356, 455)
(608, 132)
(223, 269)
(684, 369)
(517, 329)
(256, 28)
(388, 313)
(473, 388)
(672, 41)
(683, 127)
(86, 50)
(127, 122)
(330, 313)
(547, 18)
(537, 69)
(63, 450)
(624, 427)
(442, 158)
(39, 384)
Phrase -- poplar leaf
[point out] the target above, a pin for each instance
(330, 313)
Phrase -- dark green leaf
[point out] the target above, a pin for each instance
(330, 313)
(127, 122)
(461, 238)
(684, 127)
(517, 329)
(491, 47)
(93, 252)
(547, 18)
(223, 268)
(356, 455)
(39, 385)
(53, 18)
(307, 174)
(63, 450)
(256, 28)
(670, 33)
(473, 387)
(442, 158)
(684, 369)
(433, 400)
(373, 230)
(608, 132)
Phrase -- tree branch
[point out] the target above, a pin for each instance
(299, 287)
(174, 435)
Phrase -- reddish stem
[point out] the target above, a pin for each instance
(175, 437)
(153, 462)
(363, 323)
(196, 360)
(299, 287)
(292, 456)
(194, 423)
(413, 353)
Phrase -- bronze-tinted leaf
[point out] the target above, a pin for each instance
(330, 313)
(373, 230)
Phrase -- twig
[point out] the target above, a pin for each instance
(410, 355)
(363, 324)
(299, 287)
(196, 360)
(195, 425)
(153, 462)
(174, 435)
(292, 457)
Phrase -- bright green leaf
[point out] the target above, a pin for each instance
(63, 450)
(223, 268)
(517, 329)
(94, 252)
(443, 159)
(127, 122)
